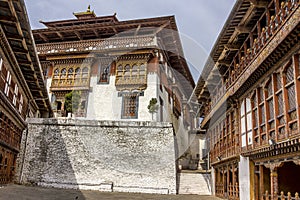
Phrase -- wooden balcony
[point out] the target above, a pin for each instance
(114, 43)
(250, 57)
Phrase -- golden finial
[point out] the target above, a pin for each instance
(89, 8)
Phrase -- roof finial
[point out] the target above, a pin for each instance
(89, 8)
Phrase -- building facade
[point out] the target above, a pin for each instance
(249, 91)
(127, 86)
(115, 68)
(22, 90)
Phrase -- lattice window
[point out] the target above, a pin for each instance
(21, 104)
(255, 120)
(262, 111)
(70, 73)
(15, 94)
(290, 74)
(77, 72)
(136, 73)
(63, 73)
(280, 104)
(7, 84)
(104, 74)
(261, 95)
(270, 89)
(130, 106)
(271, 109)
(56, 73)
(127, 72)
(254, 100)
(246, 122)
(85, 72)
(291, 97)
(278, 81)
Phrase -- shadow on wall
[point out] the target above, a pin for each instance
(106, 156)
(44, 161)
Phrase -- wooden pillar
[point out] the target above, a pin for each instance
(233, 180)
(256, 186)
(261, 180)
(223, 180)
(274, 179)
(228, 181)
(274, 183)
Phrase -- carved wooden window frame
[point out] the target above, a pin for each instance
(125, 70)
(130, 105)
(21, 104)
(16, 91)
(290, 90)
(246, 122)
(104, 74)
(7, 83)
(73, 75)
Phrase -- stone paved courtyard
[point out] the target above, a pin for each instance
(18, 192)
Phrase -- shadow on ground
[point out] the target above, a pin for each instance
(18, 192)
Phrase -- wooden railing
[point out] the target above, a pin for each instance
(220, 189)
(281, 196)
(288, 196)
(98, 44)
(233, 191)
(4, 178)
(223, 152)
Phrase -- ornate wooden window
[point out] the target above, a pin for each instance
(56, 73)
(104, 74)
(15, 94)
(291, 97)
(85, 72)
(246, 122)
(131, 76)
(270, 104)
(130, 106)
(262, 114)
(77, 72)
(7, 83)
(70, 76)
(63, 73)
(21, 104)
(70, 73)
(254, 101)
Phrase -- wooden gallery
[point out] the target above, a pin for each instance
(250, 95)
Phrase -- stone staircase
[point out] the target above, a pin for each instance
(194, 182)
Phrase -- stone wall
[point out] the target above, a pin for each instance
(99, 155)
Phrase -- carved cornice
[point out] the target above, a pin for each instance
(134, 57)
(73, 61)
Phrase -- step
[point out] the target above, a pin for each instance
(194, 183)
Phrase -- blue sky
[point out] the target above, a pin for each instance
(199, 22)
